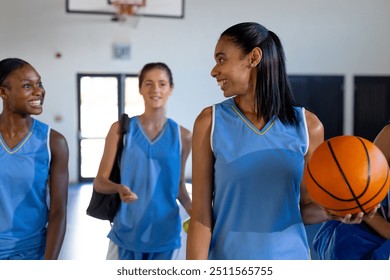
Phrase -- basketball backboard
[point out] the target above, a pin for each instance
(153, 8)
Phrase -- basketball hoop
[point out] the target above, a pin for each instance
(127, 10)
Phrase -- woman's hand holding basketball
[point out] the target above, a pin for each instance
(372, 213)
(355, 218)
(352, 219)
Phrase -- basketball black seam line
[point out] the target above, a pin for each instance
(345, 209)
(345, 177)
(318, 185)
(369, 178)
(322, 188)
(380, 190)
(330, 194)
(368, 168)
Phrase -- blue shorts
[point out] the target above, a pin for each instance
(124, 254)
(338, 241)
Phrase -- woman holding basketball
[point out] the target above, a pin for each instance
(368, 240)
(249, 153)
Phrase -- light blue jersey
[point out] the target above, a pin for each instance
(24, 173)
(151, 168)
(258, 173)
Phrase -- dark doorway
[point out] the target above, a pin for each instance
(324, 96)
(372, 105)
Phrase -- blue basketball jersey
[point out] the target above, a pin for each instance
(338, 241)
(24, 172)
(151, 168)
(258, 173)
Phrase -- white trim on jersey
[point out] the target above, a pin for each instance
(212, 127)
(307, 131)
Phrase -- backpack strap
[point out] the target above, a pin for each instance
(124, 123)
(124, 128)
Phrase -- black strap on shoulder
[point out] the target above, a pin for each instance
(124, 128)
(124, 123)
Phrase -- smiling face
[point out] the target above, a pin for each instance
(232, 69)
(23, 92)
(155, 88)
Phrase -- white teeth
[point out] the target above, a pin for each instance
(35, 103)
(221, 83)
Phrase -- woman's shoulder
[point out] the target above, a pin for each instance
(205, 114)
(186, 133)
(313, 122)
(315, 131)
(59, 145)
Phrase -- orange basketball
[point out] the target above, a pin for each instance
(347, 175)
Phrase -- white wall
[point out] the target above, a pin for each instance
(345, 37)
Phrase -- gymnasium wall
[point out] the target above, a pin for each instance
(347, 37)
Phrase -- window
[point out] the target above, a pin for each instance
(102, 99)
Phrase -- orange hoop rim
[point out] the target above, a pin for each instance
(128, 2)
(127, 7)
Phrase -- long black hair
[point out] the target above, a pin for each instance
(8, 65)
(274, 96)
